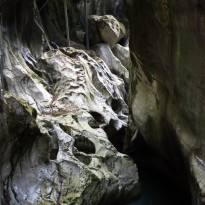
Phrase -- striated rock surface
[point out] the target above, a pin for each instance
(168, 44)
(58, 112)
(105, 53)
(123, 54)
(53, 146)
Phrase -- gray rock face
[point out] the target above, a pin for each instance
(54, 149)
(105, 53)
(57, 116)
(167, 38)
(123, 54)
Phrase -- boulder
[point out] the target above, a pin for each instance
(105, 29)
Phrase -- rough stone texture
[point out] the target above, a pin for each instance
(105, 53)
(60, 112)
(168, 44)
(54, 149)
(105, 29)
(123, 54)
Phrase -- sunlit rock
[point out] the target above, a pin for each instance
(54, 149)
(123, 54)
(105, 53)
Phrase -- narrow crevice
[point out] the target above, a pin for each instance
(85, 159)
(116, 105)
(116, 137)
(97, 116)
(93, 124)
(53, 154)
(66, 129)
(84, 145)
(58, 202)
(5, 200)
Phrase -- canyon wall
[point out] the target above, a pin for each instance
(167, 82)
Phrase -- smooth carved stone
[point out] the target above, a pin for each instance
(123, 54)
(53, 145)
(167, 84)
(105, 53)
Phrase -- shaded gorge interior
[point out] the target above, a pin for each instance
(167, 41)
(161, 182)
(102, 102)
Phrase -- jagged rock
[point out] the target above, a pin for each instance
(105, 53)
(59, 152)
(168, 83)
(56, 115)
(105, 29)
(123, 54)
(18, 132)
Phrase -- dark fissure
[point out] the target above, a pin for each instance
(161, 182)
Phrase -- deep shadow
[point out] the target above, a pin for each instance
(161, 183)
(84, 145)
(116, 137)
(53, 154)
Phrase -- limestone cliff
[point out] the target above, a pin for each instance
(58, 105)
(167, 100)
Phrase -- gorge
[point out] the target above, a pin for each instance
(81, 111)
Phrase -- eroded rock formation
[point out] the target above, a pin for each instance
(57, 104)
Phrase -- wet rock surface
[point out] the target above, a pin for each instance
(167, 92)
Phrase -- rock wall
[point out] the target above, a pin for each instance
(58, 107)
(167, 92)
